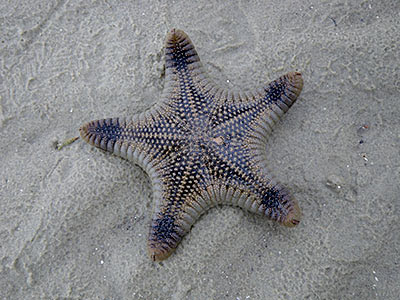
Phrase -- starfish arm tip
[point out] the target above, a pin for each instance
(103, 133)
(294, 216)
(296, 80)
(158, 254)
(292, 84)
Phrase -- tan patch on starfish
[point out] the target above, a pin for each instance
(202, 146)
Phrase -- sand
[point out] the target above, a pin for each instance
(74, 222)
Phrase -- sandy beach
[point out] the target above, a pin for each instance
(74, 222)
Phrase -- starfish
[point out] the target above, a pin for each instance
(202, 146)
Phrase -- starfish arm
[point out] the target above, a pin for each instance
(105, 134)
(243, 182)
(263, 107)
(188, 90)
(145, 141)
(274, 101)
(279, 96)
(178, 202)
